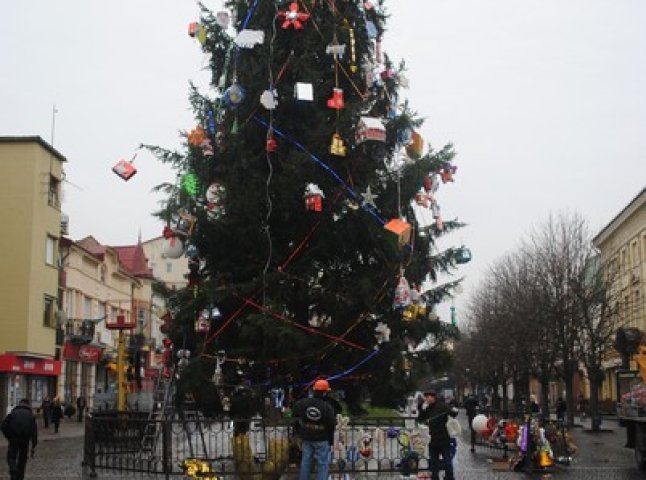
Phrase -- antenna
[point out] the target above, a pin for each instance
(54, 112)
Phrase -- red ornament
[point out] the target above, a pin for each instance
(124, 169)
(293, 18)
(192, 29)
(428, 183)
(336, 100)
(314, 203)
(272, 145)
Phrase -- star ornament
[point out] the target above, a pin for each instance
(369, 197)
(293, 17)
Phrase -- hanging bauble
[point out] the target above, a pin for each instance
(336, 146)
(402, 294)
(447, 171)
(382, 333)
(293, 17)
(463, 255)
(222, 19)
(215, 193)
(234, 95)
(371, 30)
(313, 198)
(173, 247)
(415, 147)
(124, 169)
(202, 325)
(192, 251)
(271, 145)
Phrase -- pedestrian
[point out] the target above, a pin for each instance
(46, 410)
(435, 414)
(471, 406)
(561, 410)
(57, 413)
(19, 427)
(80, 407)
(315, 426)
(534, 407)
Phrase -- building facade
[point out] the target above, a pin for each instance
(100, 284)
(622, 245)
(31, 201)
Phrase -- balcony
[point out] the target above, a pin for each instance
(79, 331)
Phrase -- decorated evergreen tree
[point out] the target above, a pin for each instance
(306, 203)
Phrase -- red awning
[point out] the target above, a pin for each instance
(29, 365)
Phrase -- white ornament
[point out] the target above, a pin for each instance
(250, 38)
(336, 50)
(369, 197)
(269, 99)
(222, 19)
(173, 248)
(304, 92)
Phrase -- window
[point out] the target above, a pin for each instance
(50, 250)
(635, 253)
(53, 195)
(102, 273)
(169, 267)
(49, 314)
(87, 307)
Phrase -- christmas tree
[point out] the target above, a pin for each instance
(305, 202)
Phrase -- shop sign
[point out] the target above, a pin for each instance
(82, 353)
(29, 365)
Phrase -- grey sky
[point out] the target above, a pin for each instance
(545, 102)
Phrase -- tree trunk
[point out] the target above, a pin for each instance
(594, 399)
(569, 393)
(505, 400)
(545, 402)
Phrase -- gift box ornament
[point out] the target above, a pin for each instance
(336, 146)
(399, 231)
(124, 169)
(304, 92)
(336, 100)
(313, 198)
(193, 28)
(370, 129)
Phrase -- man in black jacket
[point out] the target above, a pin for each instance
(315, 425)
(20, 427)
(435, 414)
(471, 406)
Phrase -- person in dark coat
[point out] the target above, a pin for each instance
(19, 427)
(561, 410)
(57, 414)
(80, 407)
(471, 406)
(435, 414)
(46, 409)
(315, 425)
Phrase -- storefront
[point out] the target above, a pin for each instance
(79, 372)
(26, 377)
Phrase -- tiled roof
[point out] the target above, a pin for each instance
(133, 259)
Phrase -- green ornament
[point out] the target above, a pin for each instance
(234, 128)
(190, 183)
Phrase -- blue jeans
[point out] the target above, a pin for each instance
(320, 451)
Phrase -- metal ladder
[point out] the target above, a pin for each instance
(162, 396)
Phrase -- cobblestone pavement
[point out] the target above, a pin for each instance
(601, 456)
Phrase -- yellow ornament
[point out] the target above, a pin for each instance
(337, 147)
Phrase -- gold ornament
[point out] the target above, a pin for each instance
(337, 147)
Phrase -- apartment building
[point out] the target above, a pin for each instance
(30, 203)
(101, 283)
(622, 245)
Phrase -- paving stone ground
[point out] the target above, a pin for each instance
(601, 456)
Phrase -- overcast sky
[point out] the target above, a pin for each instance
(545, 101)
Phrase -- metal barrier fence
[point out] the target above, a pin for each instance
(247, 449)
